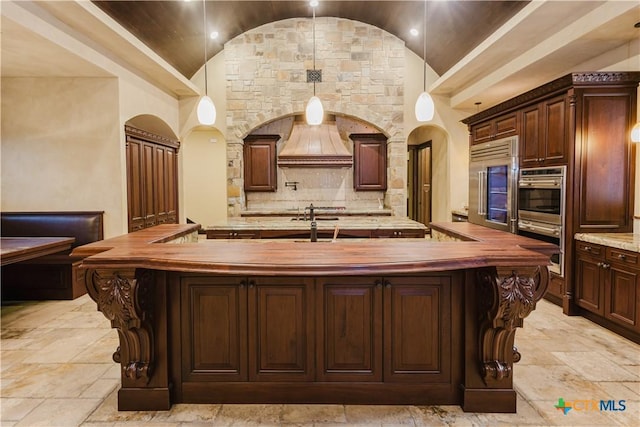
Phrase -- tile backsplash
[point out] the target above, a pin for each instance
(331, 187)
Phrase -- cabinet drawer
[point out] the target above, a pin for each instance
(590, 248)
(620, 255)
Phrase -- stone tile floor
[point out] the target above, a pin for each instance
(56, 370)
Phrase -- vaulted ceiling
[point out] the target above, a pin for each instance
(174, 29)
(483, 51)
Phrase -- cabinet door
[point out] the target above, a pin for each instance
(555, 137)
(418, 339)
(589, 284)
(604, 179)
(135, 185)
(349, 329)
(369, 162)
(214, 329)
(621, 296)
(530, 137)
(482, 132)
(260, 163)
(281, 346)
(506, 125)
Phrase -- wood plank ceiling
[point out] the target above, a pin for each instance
(173, 29)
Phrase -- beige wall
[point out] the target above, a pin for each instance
(60, 148)
(204, 174)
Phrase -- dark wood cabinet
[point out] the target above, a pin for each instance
(214, 329)
(608, 285)
(369, 162)
(260, 170)
(605, 159)
(544, 136)
(152, 179)
(239, 329)
(349, 329)
(496, 128)
(412, 345)
(583, 121)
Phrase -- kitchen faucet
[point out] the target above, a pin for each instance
(314, 225)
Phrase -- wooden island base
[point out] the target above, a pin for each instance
(374, 322)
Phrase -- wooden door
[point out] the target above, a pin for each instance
(418, 336)
(281, 318)
(135, 185)
(214, 329)
(349, 329)
(152, 179)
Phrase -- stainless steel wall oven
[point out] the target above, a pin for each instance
(541, 208)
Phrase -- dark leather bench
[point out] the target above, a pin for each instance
(55, 276)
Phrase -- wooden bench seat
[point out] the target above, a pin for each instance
(54, 276)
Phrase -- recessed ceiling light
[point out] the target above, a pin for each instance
(214, 35)
(414, 32)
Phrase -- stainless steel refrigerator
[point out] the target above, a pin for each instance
(493, 179)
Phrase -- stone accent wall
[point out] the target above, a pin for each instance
(362, 77)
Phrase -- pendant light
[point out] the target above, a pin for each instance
(206, 109)
(314, 112)
(424, 105)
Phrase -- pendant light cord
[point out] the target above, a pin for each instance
(314, 49)
(424, 53)
(204, 30)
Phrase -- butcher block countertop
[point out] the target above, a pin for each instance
(295, 257)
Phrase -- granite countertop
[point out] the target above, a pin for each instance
(347, 222)
(333, 211)
(626, 241)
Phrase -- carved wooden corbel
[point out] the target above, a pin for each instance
(124, 298)
(508, 296)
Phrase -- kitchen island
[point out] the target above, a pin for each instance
(376, 321)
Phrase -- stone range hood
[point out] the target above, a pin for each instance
(315, 146)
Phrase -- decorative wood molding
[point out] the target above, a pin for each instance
(132, 132)
(508, 297)
(124, 298)
(552, 88)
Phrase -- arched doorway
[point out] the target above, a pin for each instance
(428, 188)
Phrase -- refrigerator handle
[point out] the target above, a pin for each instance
(481, 193)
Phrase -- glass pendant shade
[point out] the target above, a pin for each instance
(314, 111)
(635, 133)
(206, 111)
(424, 107)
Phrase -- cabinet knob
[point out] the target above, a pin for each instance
(252, 283)
(387, 284)
(622, 256)
(587, 248)
(378, 284)
(605, 265)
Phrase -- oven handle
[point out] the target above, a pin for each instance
(555, 183)
(548, 231)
